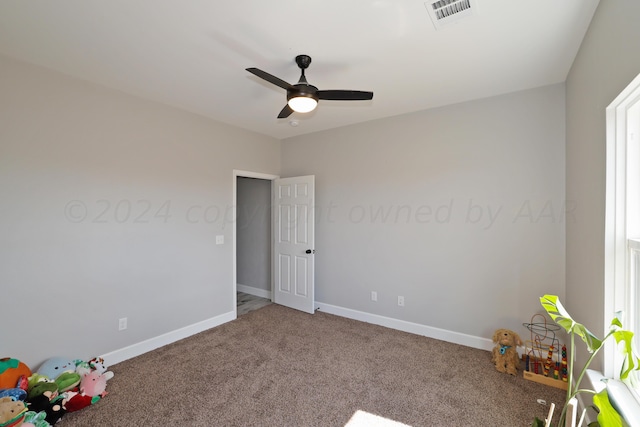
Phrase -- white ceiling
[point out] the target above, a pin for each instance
(193, 53)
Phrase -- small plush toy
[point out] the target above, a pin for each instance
(67, 381)
(35, 419)
(43, 387)
(95, 383)
(77, 401)
(11, 412)
(37, 378)
(97, 364)
(23, 382)
(94, 377)
(56, 410)
(10, 372)
(82, 367)
(39, 403)
(15, 393)
(505, 355)
(55, 366)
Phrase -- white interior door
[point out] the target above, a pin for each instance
(293, 254)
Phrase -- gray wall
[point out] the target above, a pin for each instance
(110, 206)
(458, 209)
(607, 62)
(253, 239)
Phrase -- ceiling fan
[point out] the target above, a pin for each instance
(303, 97)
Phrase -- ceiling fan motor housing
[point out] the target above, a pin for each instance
(304, 90)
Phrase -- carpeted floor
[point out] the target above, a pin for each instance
(280, 367)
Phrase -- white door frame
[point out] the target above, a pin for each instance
(244, 174)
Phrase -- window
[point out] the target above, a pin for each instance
(622, 227)
(634, 285)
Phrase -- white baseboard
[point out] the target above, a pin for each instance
(413, 328)
(137, 349)
(251, 290)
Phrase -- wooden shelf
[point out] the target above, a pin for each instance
(550, 381)
(544, 380)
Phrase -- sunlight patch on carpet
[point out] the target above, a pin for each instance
(365, 419)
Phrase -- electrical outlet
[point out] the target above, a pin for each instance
(122, 324)
(220, 239)
(374, 296)
(401, 301)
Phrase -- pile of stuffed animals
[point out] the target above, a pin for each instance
(41, 398)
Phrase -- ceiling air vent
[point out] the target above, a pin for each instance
(443, 12)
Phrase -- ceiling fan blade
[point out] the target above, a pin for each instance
(270, 78)
(345, 95)
(286, 112)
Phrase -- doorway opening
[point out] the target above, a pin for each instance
(253, 241)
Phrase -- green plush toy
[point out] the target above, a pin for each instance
(37, 378)
(67, 381)
(42, 387)
(35, 419)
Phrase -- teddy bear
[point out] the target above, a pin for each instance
(504, 354)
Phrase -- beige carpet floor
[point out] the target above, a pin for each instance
(279, 367)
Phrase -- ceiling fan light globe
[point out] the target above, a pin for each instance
(302, 104)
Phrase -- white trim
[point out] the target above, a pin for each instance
(620, 207)
(624, 400)
(616, 297)
(252, 290)
(142, 347)
(245, 174)
(412, 328)
(618, 392)
(258, 175)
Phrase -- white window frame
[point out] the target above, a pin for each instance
(634, 282)
(620, 232)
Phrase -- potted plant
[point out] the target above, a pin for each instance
(607, 415)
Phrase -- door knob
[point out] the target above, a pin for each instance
(309, 251)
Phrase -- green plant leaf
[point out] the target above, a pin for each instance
(630, 361)
(537, 422)
(593, 343)
(551, 303)
(557, 312)
(607, 416)
(615, 322)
